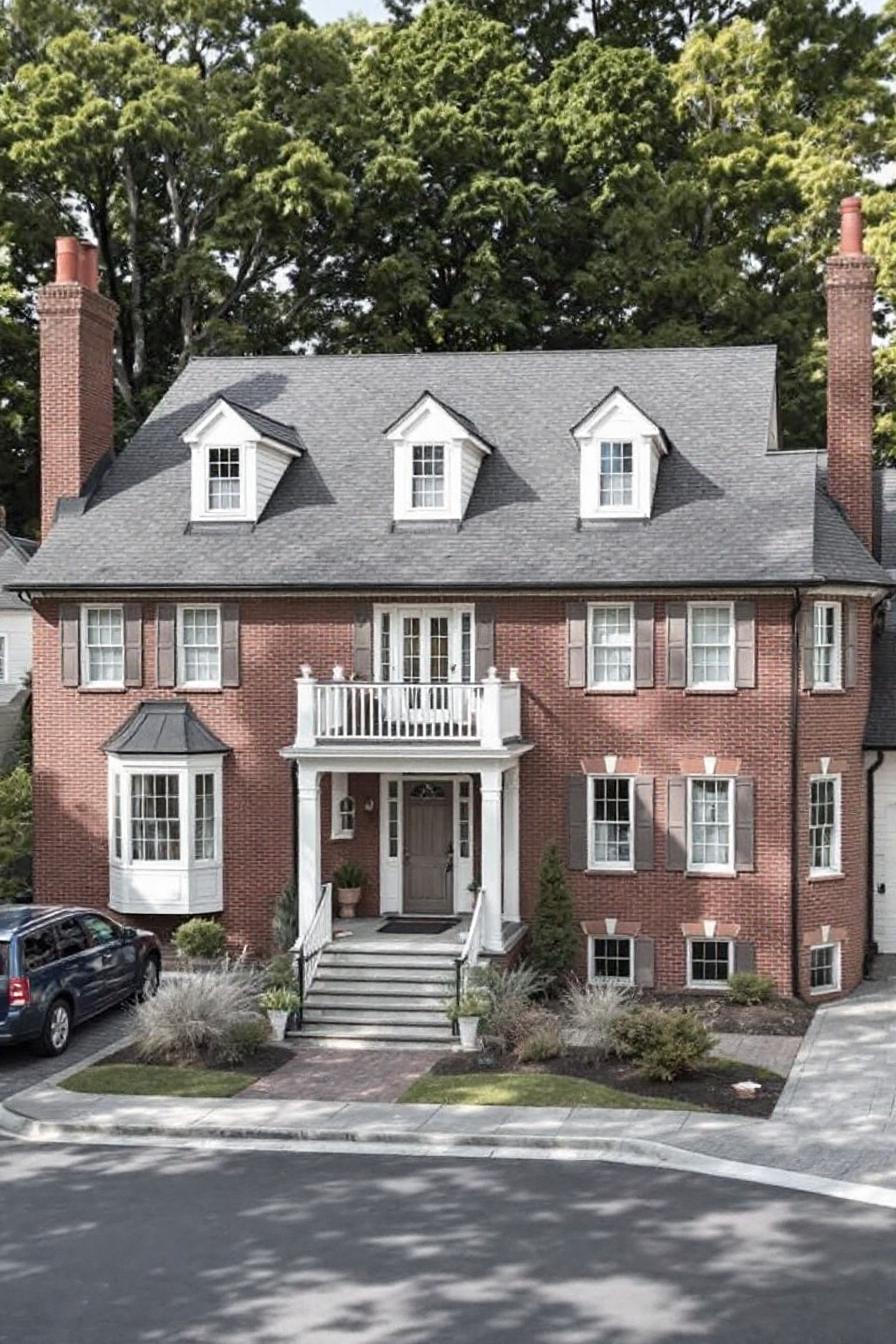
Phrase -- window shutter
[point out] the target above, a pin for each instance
(745, 645)
(362, 649)
(643, 644)
(643, 823)
(807, 644)
(850, 641)
(576, 621)
(676, 826)
(577, 820)
(676, 644)
(644, 959)
(133, 644)
(70, 644)
(230, 644)
(165, 660)
(485, 639)
(744, 956)
(743, 825)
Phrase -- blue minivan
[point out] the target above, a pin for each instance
(60, 965)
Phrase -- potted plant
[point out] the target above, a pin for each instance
(279, 1003)
(466, 1012)
(348, 879)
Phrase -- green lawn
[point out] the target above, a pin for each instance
(529, 1089)
(157, 1080)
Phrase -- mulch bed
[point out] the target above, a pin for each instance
(710, 1089)
(266, 1060)
(781, 1017)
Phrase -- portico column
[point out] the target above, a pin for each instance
(512, 843)
(491, 789)
(308, 876)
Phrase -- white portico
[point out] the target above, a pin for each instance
(436, 748)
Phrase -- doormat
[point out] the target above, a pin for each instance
(403, 925)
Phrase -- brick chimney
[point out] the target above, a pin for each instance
(849, 283)
(77, 330)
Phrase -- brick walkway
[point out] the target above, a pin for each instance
(344, 1075)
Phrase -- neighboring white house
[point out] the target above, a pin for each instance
(15, 644)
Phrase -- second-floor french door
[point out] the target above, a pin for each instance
(429, 645)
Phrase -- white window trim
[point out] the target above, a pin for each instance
(837, 869)
(85, 662)
(728, 868)
(730, 684)
(338, 792)
(594, 865)
(628, 685)
(619, 979)
(235, 510)
(4, 659)
(430, 510)
(186, 768)
(709, 984)
(837, 968)
(836, 682)
(182, 683)
(397, 614)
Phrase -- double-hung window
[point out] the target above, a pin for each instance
(711, 825)
(610, 959)
(199, 646)
(155, 818)
(710, 962)
(824, 825)
(824, 968)
(611, 653)
(204, 818)
(616, 487)
(428, 476)
(711, 646)
(826, 645)
(102, 646)
(225, 480)
(611, 840)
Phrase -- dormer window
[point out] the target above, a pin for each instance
(619, 455)
(428, 476)
(238, 459)
(437, 456)
(225, 492)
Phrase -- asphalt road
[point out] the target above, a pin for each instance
(100, 1245)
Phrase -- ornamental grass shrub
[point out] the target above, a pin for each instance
(592, 1010)
(544, 1039)
(207, 1019)
(511, 1012)
(664, 1043)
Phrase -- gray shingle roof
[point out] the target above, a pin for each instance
(726, 511)
(164, 728)
(15, 553)
(268, 428)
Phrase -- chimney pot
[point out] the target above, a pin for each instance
(68, 255)
(88, 266)
(851, 226)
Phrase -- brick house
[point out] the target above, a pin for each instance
(435, 612)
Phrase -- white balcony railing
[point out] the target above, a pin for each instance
(485, 713)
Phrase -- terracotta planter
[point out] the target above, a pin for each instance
(347, 899)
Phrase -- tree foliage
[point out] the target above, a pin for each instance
(554, 937)
(15, 832)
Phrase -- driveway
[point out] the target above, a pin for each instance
(19, 1068)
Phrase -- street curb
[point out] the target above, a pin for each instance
(626, 1151)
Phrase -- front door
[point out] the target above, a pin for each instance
(428, 857)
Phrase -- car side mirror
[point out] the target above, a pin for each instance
(128, 933)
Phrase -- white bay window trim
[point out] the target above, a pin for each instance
(706, 646)
(825, 825)
(102, 645)
(192, 881)
(699, 826)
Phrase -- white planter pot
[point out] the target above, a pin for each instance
(278, 1021)
(469, 1032)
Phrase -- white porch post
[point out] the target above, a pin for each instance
(308, 877)
(512, 843)
(306, 728)
(492, 845)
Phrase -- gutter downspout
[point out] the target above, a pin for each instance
(294, 812)
(796, 654)
(869, 907)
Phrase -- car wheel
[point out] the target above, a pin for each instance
(149, 980)
(57, 1029)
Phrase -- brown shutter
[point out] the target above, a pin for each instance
(577, 821)
(850, 642)
(230, 644)
(744, 827)
(644, 959)
(133, 644)
(643, 644)
(676, 826)
(744, 956)
(576, 621)
(166, 671)
(745, 645)
(70, 644)
(807, 644)
(643, 823)
(485, 639)
(362, 649)
(676, 644)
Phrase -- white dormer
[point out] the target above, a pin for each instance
(238, 457)
(620, 451)
(437, 454)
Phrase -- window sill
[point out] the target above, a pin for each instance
(611, 690)
(711, 872)
(826, 877)
(715, 987)
(828, 989)
(827, 690)
(192, 688)
(610, 872)
(711, 690)
(106, 690)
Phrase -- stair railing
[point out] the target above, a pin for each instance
(308, 947)
(470, 953)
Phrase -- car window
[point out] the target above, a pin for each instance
(100, 930)
(39, 949)
(4, 958)
(70, 936)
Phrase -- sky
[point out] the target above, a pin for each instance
(325, 10)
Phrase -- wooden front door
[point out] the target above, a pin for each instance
(428, 858)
